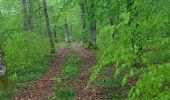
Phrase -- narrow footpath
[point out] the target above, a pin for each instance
(42, 89)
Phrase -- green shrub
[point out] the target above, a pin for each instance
(73, 60)
(6, 94)
(64, 94)
(154, 84)
(70, 72)
(70, 69)
(25, 55)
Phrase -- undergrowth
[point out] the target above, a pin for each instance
(70, 70)
(26, 55)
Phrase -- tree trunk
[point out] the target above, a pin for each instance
(93, 34)
(66, 32)
(27, 23)
(24, 10)
(83, 11)
(30, 3)
(48, 27)
(92, 25)
(40, 19)
(55, 34)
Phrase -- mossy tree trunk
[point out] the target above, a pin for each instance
(48, 28)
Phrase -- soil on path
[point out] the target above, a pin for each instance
(42, 89)
(80, 84)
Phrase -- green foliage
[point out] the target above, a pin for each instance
(154, 84)
(65, 11)
(25, 54)
(64, 94)
(105, 48)
(132, 36)
(69, 71)
(6, 94)
(138, 39)
(70, 68)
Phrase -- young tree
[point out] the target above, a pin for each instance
(55, 34)
(26, 9)
(48, 26)
(83, 13)
(66, 31)
(92, 23)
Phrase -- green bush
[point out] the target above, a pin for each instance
(70, 69)
(64, 94)
(70, 72)
(6, 94)
(154, 84)
(25, 54)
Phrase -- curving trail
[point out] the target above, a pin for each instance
(42, 88)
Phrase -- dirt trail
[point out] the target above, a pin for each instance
(42, 88)
(80, 83)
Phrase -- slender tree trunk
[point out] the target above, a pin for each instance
(93, 34)
(27, 23)
(24, 10)
(83, 9)
(71, 29)
(55, 34)
(30, 5)
(83, 15)
(40, 18)
(48, 27)
(92, 25)
(66, 32)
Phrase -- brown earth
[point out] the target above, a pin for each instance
(42, 89)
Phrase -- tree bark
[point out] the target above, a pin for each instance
(40, 19)
(66, 32)
(48, 27)
(83, 14)
(26, 9)
(55, 34)
(93, 34)
(84, 11)
(92, 25)
(30, 3)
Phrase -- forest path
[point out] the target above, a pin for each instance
(42, 89)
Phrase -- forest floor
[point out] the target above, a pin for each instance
(42, 89)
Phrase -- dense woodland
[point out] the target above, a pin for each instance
(125, 44)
